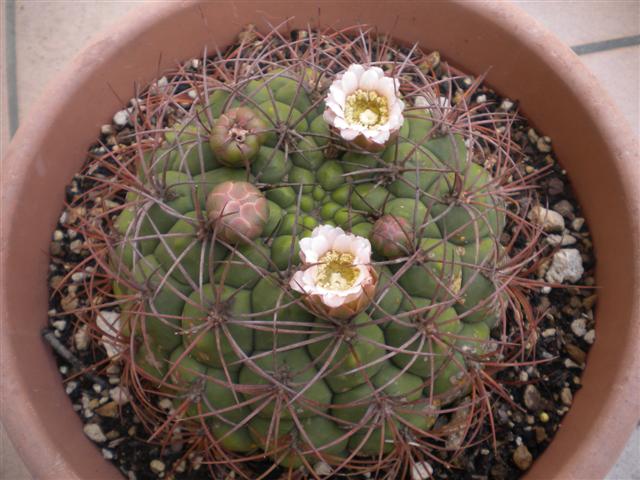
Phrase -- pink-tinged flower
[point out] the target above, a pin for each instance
(337, 279)
(364, 107)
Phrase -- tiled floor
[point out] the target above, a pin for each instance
(45, 39)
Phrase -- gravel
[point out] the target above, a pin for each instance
(522, 457)
(549, 220)
(566, 266)
(579, 327)
(94, 432)
(545, 389)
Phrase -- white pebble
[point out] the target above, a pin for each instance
(566, 396)
(107, 454)
(421, 471)
(577, 223)
(579, 327)
(568, 363)
(544, 144)
(566, 265)
(193, 94)
(165, 404)
(121, 118)
(81, 338)
(119, 395)
(71, 386)
(157, 466)
(59, 324)
(545, 290)
(481, 98)
(549, 220)
(563, 240)
(590, 336)
(549, 332)
(76, 246)
(506, 105)
(77, 277)
(58, 235)
(94, 432)
(322, 469)
(106, 130)
(108, 322)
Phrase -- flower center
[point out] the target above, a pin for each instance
(366, 108)
(336, 271)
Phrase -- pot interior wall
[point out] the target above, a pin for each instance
(51, 147)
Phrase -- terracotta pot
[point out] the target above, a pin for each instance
(556, 92)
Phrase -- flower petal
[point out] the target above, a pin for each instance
(340, 123)
(386, 86)
(332, 300)
(337, 94)
(381, 136)
(337, 109)
(357, 69)
(369, 79)
(297, 281)
(349, 134)
(349, 82)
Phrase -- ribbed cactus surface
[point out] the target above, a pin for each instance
(207, 247)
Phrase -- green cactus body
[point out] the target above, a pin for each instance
(211, 241)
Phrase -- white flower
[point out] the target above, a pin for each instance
(363, 105)
(337, 279)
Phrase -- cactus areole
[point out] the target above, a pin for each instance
(308, 263)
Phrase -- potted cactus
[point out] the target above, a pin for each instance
(305, 264)
(308, 255)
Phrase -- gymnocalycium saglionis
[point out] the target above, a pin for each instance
(308, 260)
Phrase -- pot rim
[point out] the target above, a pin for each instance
(559, 57)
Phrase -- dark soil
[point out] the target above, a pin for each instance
(542, 392)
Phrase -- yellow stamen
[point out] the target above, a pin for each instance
(366, 108)
(336, 271)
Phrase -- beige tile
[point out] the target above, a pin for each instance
(628, 466)
(4, 94)
(619, 72)
(583, 21)
(50, 33)
(11, 467)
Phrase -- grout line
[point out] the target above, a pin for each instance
(12, 64)
(605, 45)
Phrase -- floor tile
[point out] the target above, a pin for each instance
(619, 72)
(11, 467)
(628, 466)
(50, 33)
(584, 21)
